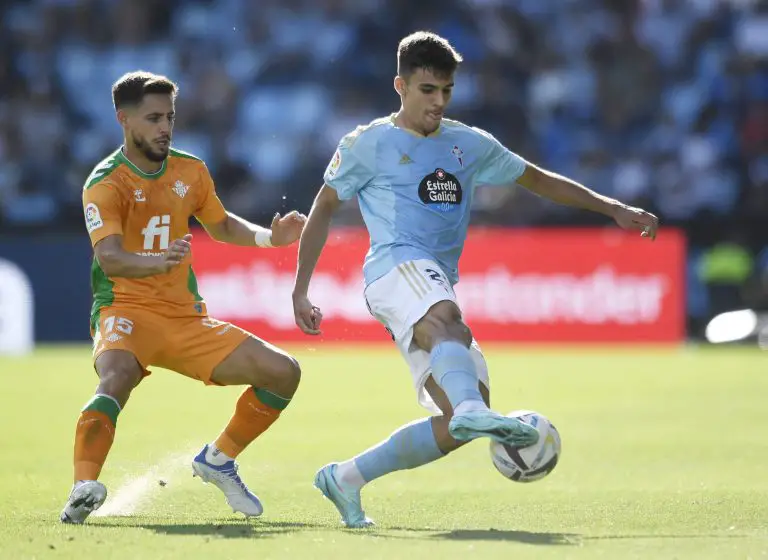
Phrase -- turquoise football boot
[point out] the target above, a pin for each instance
(487, 423)
(346, 501)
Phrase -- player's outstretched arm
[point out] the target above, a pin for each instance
(235, 230)
(570, 193)
(308, 317)
(116, 262)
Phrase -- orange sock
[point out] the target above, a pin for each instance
(94, 436)
(256, 410)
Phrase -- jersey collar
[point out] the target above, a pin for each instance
(157, 174)
(409, 131)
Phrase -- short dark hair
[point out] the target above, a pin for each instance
(131, 88)
(427, 51)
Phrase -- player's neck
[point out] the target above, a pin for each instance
(401, 120)
(140, 161)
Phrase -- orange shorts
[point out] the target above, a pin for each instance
(192, 346)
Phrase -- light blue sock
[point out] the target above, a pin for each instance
(454, 371)
(409, 447)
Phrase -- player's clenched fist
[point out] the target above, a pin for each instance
(177, 251)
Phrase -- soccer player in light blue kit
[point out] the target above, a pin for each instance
(414, 174)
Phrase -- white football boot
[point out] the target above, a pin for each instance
(87, 496)
(226, 479)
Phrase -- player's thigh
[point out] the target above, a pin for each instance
(259, 363)
(220, 353)
(406, 294)
(194, 346)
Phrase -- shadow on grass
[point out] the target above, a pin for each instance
(244, 529)
(227, 529)
(536, 538)
(261, 528)
(524, 537)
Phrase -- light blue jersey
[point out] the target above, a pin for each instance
(415, 193)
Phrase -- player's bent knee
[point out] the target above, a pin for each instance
(119, 373)
(282, 375)
(125, 378)
(461, 332)
(430, 331)
(445, 311)
(290, 371)
(442, 322)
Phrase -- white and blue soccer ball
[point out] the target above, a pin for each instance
(528, 464)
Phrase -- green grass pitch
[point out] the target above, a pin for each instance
(665, 455)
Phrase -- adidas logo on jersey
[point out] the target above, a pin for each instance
(405, 159)
(180, 189)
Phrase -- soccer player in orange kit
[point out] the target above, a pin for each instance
(146, 307)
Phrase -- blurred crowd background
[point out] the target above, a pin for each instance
(662, 104)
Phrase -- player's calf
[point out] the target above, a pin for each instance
(409, 447)
(272, 377)
(255, 412)
(119, 372)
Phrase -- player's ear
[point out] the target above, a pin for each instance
(400, 85)
(122, 117)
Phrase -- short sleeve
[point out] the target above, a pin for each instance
(498, 166)
(351, 167)
(209, 210)
(103, 208)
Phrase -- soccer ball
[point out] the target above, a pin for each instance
(528, 464)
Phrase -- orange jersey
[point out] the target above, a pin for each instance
(149, 211)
